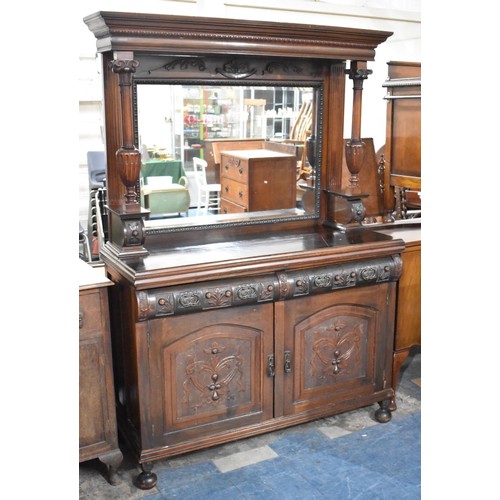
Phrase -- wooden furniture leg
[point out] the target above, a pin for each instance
(383, 414)
(112, 460)
(398, 359)
(147, 479)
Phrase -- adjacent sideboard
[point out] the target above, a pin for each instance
(98, 429)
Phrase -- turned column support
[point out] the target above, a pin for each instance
(349, 207)
(127, 218)
(355, 147)
(128, 157)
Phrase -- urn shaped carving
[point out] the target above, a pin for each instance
(129, 166)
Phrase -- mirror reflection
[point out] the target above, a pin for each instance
(220, 153)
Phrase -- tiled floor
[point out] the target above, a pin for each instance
(342, 457)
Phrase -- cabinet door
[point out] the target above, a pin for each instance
(337, 347)
(97, 411)
(208, 373)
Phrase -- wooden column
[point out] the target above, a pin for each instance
(127, 234)
(355, 147)
(349, 208)
(128, 156)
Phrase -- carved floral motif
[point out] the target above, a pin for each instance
(284, 286)
(236, 70)
(211, 378)
(336, 349)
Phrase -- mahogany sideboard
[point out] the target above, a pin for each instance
(238, 326)
(98, 429)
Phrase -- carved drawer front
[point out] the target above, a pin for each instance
(208, 372)
(334, 348)
(235, 191)
(234, 168)
(227, 207)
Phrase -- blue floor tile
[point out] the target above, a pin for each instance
(377, 463)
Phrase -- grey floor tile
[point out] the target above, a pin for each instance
(244, 458)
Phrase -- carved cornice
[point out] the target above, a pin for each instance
(223, 37)
(153, 32)
(176, 300)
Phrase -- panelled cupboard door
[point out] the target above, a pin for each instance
(208, 373)
(335, 347)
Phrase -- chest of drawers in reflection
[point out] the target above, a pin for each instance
(255, 180)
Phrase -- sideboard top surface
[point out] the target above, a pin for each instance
(91, 277)
(208, 259)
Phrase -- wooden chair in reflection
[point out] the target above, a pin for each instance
(208, 194)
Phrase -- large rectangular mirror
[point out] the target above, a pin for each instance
(218, 153)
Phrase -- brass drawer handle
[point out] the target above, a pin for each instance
(240, 171)
(270, 365)
(336, 362)
(288, 362)
(240, 194)
(226, 189)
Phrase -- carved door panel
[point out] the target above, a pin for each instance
(337, 347)
(208, 373)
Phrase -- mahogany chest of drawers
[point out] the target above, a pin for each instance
(257, 179)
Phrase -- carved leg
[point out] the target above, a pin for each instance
(112, 460)
(146, 479)
(383, 414)
(398, 359)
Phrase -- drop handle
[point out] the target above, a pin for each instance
(240, 171)
(288, 362)
(240, 194)
(226, 189)
(336, 362)
(270, 365)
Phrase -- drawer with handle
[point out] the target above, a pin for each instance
(234, 191)
(234, 168)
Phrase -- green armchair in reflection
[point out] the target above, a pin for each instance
(164, 198)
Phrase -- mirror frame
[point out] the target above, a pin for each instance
(249, 218)
(127, 40)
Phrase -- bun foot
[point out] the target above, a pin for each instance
(146, 479)
(383, 414)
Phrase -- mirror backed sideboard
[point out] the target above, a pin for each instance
(230, 324)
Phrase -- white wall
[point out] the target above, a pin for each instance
(402, 17)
